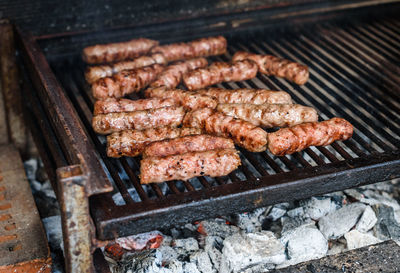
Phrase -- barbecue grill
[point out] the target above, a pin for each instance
(353, 56)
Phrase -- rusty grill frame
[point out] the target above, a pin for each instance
(59, 112)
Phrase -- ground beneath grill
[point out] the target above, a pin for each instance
(265, 239)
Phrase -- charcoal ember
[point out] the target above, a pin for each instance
(184, 247)
(290, 223)
(387, 227)
(31, 167)
(202, 261)
(338, 222)
(114, 251)
(190, 268)
(317, 207)
(147, 261)
(336, 246)
(216, 227)
(278, 211)
(304, 243)
(53, 229)
(175, 266)
(387, 186)
(356, 239)
(168, 254)
(367, 221)
(213, 246)
(119, 200)
(251, 221)
(148, 240)
(372, 197)
(41, 174)
(243, 251)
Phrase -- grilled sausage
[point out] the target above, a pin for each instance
(198, 48)
(270, 115)
(181, 145)
(125, 82)
(93, 73)
(126, 105)
(244, 95)
(189, 100)
(115, 52)
(185, 166)
(275, 66)
(172, 74)
(294, 139)
(133, 142)
(138, 120)
(243, 133)
(220, 72)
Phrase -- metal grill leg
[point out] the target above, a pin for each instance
(77, 231)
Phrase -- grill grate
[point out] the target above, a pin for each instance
(354, 74)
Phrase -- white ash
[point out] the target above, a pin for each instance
(254, 241)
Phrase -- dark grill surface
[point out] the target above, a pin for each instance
(354, 74)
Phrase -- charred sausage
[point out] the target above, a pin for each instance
(198, 48)
(275, 66)
(138, 120)
(115, 52)
(185, 166)
(189, 100)
(185, 144)
(93, 73)
(270, 115)
(125, 82)
(220, 72)
(133, 142)
(294, 139)
(243, 133)
(126, 105)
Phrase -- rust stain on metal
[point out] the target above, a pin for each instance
(76, 222)
(16, 131)
(23, 243)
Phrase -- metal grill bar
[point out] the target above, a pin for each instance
(344, 81)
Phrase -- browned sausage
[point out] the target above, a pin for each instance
(270, 115)
(275, 66)
(198, 48)
(126, 105)
(243, 133)
(133, 142)
(185, 144)
(138, 120)
(115, 52)
(93, 73)
(244, 95)
(172, 74)
(220, 72)
(296, 138)
(125, 82)
(185, 166)
(189, 100)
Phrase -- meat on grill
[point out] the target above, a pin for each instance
(185, 166)
(93, 73)
(126, 105)
(244, 95)
(189, 100)
(220, 72)
(294, 139)
(172, 74)
(125, 82)
(181, 145)
(138, 120)
(243, 133)
(270, 115)
(133, 142)
(198, 48)
(115, 52)
(275, 66)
